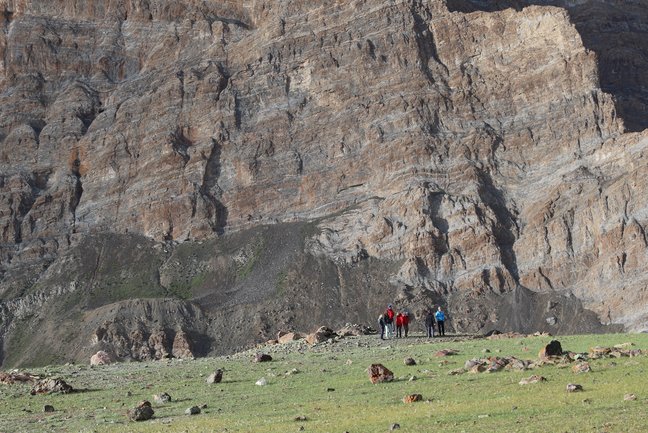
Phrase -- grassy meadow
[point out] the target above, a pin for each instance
(325, 388)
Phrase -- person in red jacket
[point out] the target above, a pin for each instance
(399, 325)
(406, 323)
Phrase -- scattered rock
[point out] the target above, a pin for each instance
(409, 361)
(456, 371)
(551, 320)
(582, 367)
(446, 352)
(13, 377)
(599, 352)
(354, 330)
(379, 373)
(412, 398)
(468, 365)
(629, 397)
(478, 368)
(262, 357)
(492, 332)
(572, 387)
(330, 389)
(532, 379)
(394, 426)
(301, 418)
(293, 371)
(215, 377)
(623, 345)
(322, 334)
(162, 398)
(553, 349)
(411, 379)
(290, 336)
(142, 412)
(261, 382)
(48, 408)
(101, 358)
(193, 410)
(485, 350)
(49, 386)
(505, 335)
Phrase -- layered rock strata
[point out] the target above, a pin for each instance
(270, 164)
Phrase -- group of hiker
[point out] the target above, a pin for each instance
(396, 324)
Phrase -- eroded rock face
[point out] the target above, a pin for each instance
(459, 152)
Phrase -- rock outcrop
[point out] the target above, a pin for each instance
(255, 166)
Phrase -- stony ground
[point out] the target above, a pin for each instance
(325, 388)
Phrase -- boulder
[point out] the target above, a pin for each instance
(101, 358)
(354, 330)
(573, 387)
(290, 336)
(446, 352)
(533, 379)
(48, 408)
(215, 377)
(629, 397)
(322, 334)
(409, 361)
(193, 410)
(412, 398)
(582, 367)
(49, 386)
(262, 357)
(162, 398)
(13, 377)
(468, 365)
(379, 373)
(142, 412)
(553, 349)
(599, 352)
(478, 368)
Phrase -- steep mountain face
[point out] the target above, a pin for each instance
(227, 169)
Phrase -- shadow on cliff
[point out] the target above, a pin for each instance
(615, 31)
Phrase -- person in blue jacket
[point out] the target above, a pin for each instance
(440, 318)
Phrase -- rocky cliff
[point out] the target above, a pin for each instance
(221, 169)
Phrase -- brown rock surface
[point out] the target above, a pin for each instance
(379, 373)
(278, 167)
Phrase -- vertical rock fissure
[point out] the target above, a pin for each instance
(505, 229)
(212, 192)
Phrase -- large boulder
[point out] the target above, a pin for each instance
(262, 357)
(322, 334)
(379, 373)
(553, 349)
(101, 358)
(290, 336)
(50, 386)
(215, 377)
(142, 412)
(354, 330)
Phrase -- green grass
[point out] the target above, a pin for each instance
(473, 403)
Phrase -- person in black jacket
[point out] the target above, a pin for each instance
(381, 323)
(429, 324)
